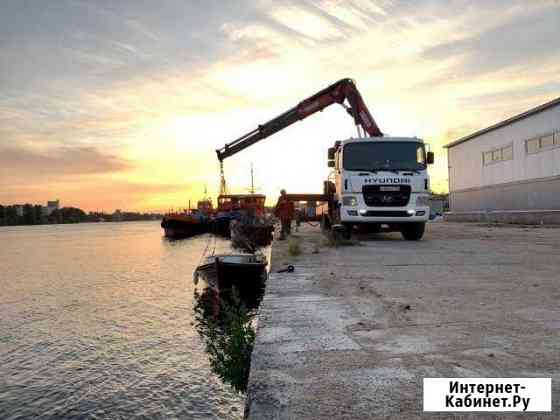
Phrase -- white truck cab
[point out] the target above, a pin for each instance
(381, 183)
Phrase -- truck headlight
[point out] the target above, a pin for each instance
(349, 200)
(423, 200)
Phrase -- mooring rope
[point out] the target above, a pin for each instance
(215, 242)
(205, 249)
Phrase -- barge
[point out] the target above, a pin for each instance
(190, 222)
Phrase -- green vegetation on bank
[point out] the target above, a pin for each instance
(29, 214)
(229, 335)
(294, 248)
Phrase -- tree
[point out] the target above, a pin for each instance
(38, 209)
(11, 216)
(28, 214)
(68, 215)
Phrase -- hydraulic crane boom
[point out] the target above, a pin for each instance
(338, 92)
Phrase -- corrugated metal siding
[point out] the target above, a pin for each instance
(543, 194)
(466, 168)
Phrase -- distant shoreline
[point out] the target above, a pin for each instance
(80, 223)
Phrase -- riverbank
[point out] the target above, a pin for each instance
(351, 333)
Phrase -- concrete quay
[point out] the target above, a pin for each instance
(527, 217)
(351, 333)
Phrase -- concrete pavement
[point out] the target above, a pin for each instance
(352, 332)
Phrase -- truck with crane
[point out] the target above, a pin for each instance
(378, 183)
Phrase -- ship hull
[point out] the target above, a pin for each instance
(177, 228)
(220, 227)
(246, 275)
(251, 236)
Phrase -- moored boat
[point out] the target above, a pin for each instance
(234, 207)
(183, 225)
(244, 272)
(190, 222)
(250, 234)
(242, 218)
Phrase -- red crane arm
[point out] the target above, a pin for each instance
(339, 92)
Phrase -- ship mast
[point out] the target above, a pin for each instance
(223, 187)
(252, 189)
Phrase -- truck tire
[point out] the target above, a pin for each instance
(413, 231)
(347, 231)
(325, 223)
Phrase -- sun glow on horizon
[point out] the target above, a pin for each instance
(131, 118)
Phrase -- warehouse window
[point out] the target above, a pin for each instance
(533, 145)
(547, 141)
(544, 142)
(498, 155)
(507, 153)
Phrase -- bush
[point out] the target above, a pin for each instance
(294, 247)
(335, 240)
(229, 339)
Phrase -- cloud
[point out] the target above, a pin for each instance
(526, 41)
(146, 93)
(22, 162)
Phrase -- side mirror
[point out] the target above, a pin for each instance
(330, 163)
(429, 158)
(332, 151)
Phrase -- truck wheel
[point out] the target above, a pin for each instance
(347, 231)
(413, 231)
(325, 223)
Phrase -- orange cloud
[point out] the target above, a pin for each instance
(143, 108)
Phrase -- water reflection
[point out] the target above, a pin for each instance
(95, 322)
(226, 324)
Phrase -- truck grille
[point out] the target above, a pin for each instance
(386, 195)
(386, 213)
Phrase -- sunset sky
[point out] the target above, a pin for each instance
(121, 104)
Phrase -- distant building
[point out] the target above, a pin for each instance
(117, 216)
(19, 209)
(50, 207)
(510, 171)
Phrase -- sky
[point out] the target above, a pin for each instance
(121, 104)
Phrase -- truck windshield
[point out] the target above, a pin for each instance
(384, 155)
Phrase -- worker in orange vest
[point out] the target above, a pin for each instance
(285, 211)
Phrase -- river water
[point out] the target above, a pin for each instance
(96, 321)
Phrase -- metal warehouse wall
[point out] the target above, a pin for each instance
(529, 181)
